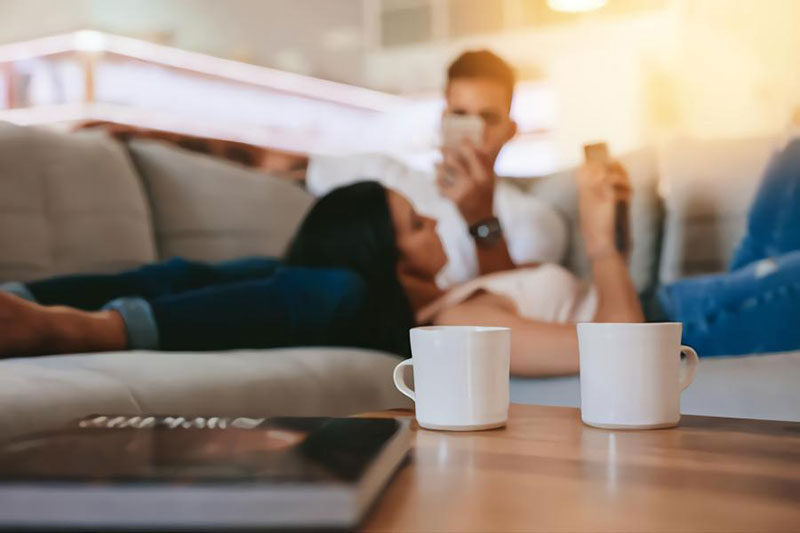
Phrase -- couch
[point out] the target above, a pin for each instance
(72, 203)
(82, 202)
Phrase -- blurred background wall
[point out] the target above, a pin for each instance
(633, 72)
(318, 37)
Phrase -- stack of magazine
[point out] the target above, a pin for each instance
(172, 472)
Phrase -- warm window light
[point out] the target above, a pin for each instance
(575, 6)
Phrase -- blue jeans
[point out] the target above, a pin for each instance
(755, 307)
(773, 224)
(188, 305)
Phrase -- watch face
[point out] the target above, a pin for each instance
(487, 232)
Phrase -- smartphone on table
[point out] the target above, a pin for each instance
(598, 153)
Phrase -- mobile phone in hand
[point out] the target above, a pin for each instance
(457, 128)
(598, 153)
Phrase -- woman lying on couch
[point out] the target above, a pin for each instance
(361, 272)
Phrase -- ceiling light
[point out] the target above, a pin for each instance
(575, 6)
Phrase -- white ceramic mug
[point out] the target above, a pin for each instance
(461, 376)
(631, 374)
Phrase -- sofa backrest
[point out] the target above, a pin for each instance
(76, 203)
(707, 188)
(68, 204)
(210, 209)
(83, 202)
(689, 209)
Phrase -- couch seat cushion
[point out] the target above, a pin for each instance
(46, 392)
(754, 386)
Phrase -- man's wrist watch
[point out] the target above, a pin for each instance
(487, 231)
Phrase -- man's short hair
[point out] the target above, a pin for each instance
(482, 64)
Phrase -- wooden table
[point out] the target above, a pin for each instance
(548, 472)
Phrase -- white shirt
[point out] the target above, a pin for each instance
(534, 231)
(547, 293)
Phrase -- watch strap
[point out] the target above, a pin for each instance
(487, 231)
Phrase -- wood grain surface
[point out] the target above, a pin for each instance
(546, 471)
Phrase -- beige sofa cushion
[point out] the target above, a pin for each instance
(708, 187)
(208, 209)
(753, 386)
(68, 203)
(43, 393)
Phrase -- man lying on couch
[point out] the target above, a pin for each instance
(485, 225)
(472, 208)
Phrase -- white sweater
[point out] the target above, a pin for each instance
(547, 293)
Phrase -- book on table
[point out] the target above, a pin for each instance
(161, 472)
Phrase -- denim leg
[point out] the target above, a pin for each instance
(773, 224)
(91, 292)
(296, 306)
(141, 329)
(751, 310)
(248, 303)
(17, 289)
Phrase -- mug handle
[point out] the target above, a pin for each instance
(400, 383)
(691, 366)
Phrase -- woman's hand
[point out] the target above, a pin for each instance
(600, 187)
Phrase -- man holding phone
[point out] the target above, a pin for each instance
(476, 124)
(485, 225)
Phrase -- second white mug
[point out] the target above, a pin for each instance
(461, 376)
(631, 374)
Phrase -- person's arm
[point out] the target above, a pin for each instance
(537, 348)
(600, 187)
(285, 165)
(493, 256)
(545, 348)
(617, 297)
(549, 348)
(466, 178)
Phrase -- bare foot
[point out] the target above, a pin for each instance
(21, 327)
(27, 328)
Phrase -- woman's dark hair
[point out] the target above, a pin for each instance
(351, 227)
